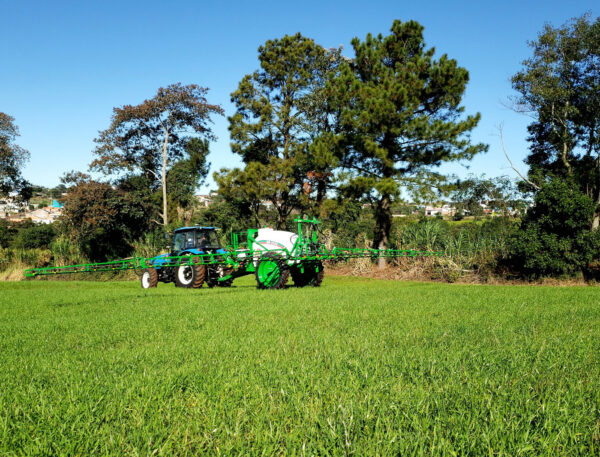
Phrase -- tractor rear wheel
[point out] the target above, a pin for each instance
(149, 278)
(190, 276)
(272, 272)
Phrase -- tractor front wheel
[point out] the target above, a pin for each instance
(149, 278)
(190, 276)
(272, 272)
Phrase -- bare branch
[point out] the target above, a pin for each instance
(535, 186)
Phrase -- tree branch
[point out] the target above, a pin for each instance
(535, 186)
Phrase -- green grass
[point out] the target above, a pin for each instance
(359, 366)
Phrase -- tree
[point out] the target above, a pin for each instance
(400, 117)
(12, 157)
(555, 237)
(102, 220)
(559, 86)
(186, 175)
(148, 138)
(278, 115)
(35, 236)
(499, 193)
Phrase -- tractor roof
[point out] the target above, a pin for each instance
(181, 229)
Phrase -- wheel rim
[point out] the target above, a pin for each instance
(268, 272)
(185, 274)
(146, 280)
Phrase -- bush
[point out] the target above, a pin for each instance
(35, 237)
(555, 237)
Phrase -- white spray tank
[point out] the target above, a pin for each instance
(267, 239)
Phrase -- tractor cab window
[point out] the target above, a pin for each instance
(189, 240)
(208, 240)
(178, 242)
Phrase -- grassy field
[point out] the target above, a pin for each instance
(357, 367)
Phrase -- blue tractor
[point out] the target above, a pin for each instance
(189, 241)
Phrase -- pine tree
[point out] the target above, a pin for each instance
(400, 116)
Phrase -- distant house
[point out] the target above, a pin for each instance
(11, 204)
(204, 200)
(45, 215)
(444, 210)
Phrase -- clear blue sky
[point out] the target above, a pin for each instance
(66, 64)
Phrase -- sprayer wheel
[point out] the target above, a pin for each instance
(271, 272)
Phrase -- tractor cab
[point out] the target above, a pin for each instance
(195, 240)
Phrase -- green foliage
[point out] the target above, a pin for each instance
(357, 367)
(147, 139)
(229, 215)
(400, 116)
(500, 193)
(470, 246)
(555, 237)
(35, 236)
(104, 221)
(280, 109)
(7, 233)
(347, 220)
(560, 87)
(12, 159)
(185, 176)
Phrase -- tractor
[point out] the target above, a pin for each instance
(188, 241)
(272, 256)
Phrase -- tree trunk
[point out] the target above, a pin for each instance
(596, 219)
(163, 179)
(596, 188)
(383, 219)
(321, 190)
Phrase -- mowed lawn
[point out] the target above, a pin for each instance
(356, 367)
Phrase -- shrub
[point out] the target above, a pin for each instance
(555, 237)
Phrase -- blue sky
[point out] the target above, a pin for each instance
(65, 65)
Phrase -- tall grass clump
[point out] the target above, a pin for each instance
(468, 248)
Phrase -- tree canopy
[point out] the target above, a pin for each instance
(146, 139)
(279, 111)
(559, 86)
(400, 116)
(12, 157)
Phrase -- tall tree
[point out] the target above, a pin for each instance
(559, 87)
(275, 118)
(186, 175)
(400, 116)
(148, 138)
(12, 157)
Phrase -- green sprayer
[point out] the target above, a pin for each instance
(272, 256)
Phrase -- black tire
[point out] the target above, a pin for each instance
(297, 277)
(149, 278)
(312, 275)
(190, 276)
(283, 272)
(318, 276)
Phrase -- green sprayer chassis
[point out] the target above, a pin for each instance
(269, 260)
